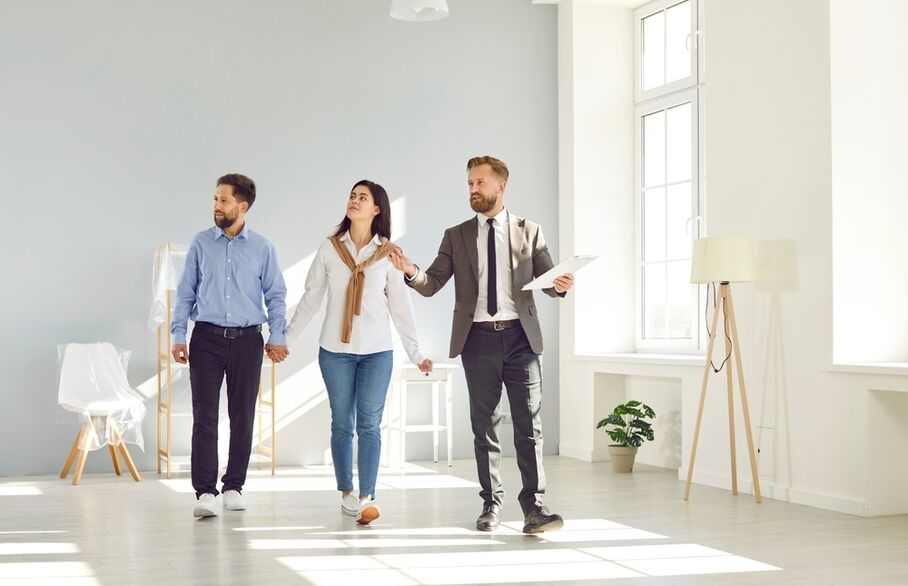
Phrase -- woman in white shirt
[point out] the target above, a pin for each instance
(355, 354)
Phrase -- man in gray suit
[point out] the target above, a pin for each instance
(496, 332)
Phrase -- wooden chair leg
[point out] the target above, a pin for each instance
(129, 463)
(80, 466)
(72, 454)
(113, 457)
(121, 445)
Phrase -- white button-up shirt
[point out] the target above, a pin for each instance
(385, 296)
(506, 307)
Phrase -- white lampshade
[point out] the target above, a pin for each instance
(419, 10)
(722, 259)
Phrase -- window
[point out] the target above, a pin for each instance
(667, 174)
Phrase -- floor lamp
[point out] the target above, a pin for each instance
(724, 261)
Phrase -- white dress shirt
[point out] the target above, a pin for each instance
(506, 307)
(385, 295)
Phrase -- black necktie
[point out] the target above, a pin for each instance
(492, 280)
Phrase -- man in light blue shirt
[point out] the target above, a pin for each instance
(229, 271)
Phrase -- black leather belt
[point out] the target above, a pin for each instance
(496, 326)
(229, 333)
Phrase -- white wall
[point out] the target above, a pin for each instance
(769, 169)
(596, 137)
(836, 440)
(117, 118)
(869, 79)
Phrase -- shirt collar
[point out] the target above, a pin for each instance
(376, 239)
(501, 217)
(218, 232)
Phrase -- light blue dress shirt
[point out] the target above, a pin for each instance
(224, 282)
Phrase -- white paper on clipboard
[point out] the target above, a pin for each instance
(571, 265)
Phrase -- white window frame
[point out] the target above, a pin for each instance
(691, 80)
(689, 89)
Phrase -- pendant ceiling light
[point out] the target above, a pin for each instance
(419, 10)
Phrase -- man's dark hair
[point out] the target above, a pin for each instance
(243, 187)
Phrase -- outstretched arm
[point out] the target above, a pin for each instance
(427, 283)
(401, 309)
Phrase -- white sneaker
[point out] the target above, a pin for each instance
(206, 506)
(234, 501)
(350, 505)
(368, 512)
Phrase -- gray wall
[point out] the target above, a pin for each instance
(117, 117)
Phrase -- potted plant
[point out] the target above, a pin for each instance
(629, 429)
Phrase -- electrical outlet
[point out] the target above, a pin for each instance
(765, 464)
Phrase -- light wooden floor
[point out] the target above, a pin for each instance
(620, 529)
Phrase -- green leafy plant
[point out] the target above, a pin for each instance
(630, 428)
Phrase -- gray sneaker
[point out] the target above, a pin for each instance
(350, 505)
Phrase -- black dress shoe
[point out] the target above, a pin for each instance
(541, 520)
(488, 520)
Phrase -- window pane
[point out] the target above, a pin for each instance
(677, 43)
(679, 120)
(681, 300)
(678, 210)
(654, 149)
(654, 224)
(653, 68)
(654, 301)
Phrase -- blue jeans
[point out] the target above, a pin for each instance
(357, 386)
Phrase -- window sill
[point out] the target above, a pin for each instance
(693, 360)
(886, 368)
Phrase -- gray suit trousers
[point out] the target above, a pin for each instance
(490, 359)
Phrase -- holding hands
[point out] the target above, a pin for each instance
(277, 352)
(425, 366)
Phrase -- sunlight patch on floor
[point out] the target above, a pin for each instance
(549, 563)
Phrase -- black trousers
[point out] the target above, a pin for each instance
(490, 359)
(211, 356)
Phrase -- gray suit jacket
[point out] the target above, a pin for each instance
(458, 256)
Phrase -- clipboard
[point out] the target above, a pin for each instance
(547, 279)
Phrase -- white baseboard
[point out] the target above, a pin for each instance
(576, 453)
(780, 493)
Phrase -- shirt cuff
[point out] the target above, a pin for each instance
(178, 338)
(408, 277)
(277, 339)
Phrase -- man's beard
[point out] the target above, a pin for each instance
(483, 204)
(225, 221)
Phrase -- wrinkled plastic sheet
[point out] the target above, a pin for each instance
(93, 385)
(169, 260)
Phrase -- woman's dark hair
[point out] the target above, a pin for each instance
(381, 224)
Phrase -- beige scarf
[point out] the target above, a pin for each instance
(354, 301)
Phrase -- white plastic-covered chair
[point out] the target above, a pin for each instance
(93, 384)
